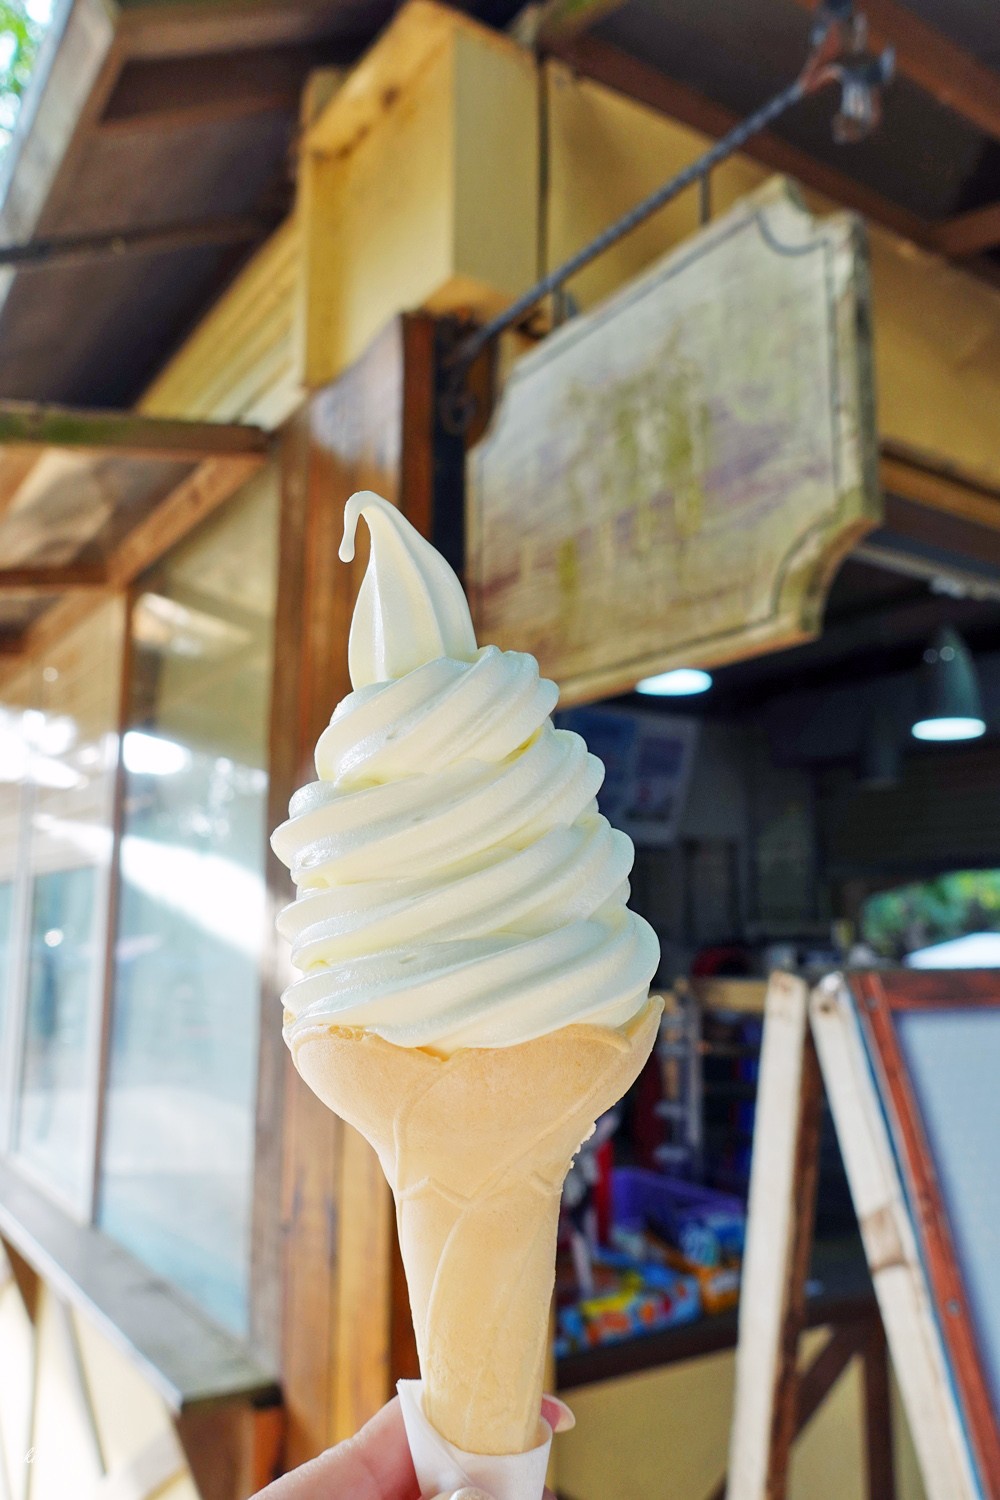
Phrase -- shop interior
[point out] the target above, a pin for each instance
(840, 811)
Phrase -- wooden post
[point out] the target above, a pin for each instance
(341, 1314)
(878, 1414)
(783, 1178)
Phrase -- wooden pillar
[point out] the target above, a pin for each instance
(878, 1415)
(331, 1311)
(783, 1178)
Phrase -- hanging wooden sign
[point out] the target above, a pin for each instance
(673, 478)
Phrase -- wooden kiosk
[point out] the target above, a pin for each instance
(691, 501)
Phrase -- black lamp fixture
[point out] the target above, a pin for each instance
(880, 762)
(949, 706)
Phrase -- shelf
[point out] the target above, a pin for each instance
(187, 1357)
(844, 1294)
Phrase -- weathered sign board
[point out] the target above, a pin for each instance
(674, 477)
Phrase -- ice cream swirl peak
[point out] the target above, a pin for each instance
(411, 608)
(457, 886)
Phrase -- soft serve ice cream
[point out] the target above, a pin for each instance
(473, 990)
(457, 886)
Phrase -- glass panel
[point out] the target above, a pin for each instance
(177, 1169)
(13, 756)
(71, 750)
(954, 1061)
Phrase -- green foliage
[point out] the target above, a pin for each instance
(23, 23)
(914, 916)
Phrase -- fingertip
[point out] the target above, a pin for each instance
(557, 1414)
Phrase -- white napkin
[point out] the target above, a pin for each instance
(442, 1468)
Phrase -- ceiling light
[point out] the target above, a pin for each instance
(958, 728)
(948, 704)
(682, 682)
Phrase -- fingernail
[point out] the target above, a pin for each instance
(557, 1414)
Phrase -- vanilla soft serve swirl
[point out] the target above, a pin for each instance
(457, 886)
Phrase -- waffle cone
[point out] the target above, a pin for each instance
(475, 1148)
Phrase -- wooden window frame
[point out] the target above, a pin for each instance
(197, 1362)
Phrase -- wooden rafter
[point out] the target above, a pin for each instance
(552, 21)
(27, 423)
(194, 498)
(626, 74)
(968, 234)
(72, 578)
(217, 458)
(156, 94)
(72, 250)
(942, 68)
(913, 478)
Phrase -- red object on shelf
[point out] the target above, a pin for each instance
(605, 1155)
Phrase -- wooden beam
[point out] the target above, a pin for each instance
(73, 250)
(72, 578)
(542, 26)
(169, 93)
(618, 70)
(15, 465)
(937, 489)
(232, 1448)
(70, 610)
(196, 497)
(26, 1278)
(458, 230)
(82, 587)
(783, 1179)
(817, 1381)
(942, 68)
(967, 234)
(45, 426)
(878, 1415)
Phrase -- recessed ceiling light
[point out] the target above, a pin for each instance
(682, 682)
(957, 728)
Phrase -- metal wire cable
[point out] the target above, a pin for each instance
(469, 348)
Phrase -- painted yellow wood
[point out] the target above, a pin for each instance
(605, 154)
(673, 478)
(937, 328)
(418, 184)
(937, 360)
(243, 360)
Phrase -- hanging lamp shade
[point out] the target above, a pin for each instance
(949, 706)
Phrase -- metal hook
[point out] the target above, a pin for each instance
(839, 55)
